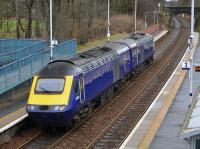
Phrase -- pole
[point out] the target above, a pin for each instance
(157, 17)
(145, 19)
(191, 51)
(108, 32)
(51, 44)
(158, 12)
(159, 7)
(192, 19)
(135, 16)
(154, 17)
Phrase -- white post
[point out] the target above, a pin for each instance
(159, 7)
(108, 32)
(135, 16)
(157, 17)
(145, 19)
(158, 12)
(51, 43)
(191, 47)
(192, 19)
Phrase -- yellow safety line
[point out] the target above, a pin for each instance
(152, 130)
(11, 114)
(161, 115)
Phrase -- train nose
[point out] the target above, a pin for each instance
(50, 116)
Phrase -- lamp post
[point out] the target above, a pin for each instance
(158, 12)
(135, 16)
(191, 51)
(154, 17)
(51, 42)
(145, 19)
(159, 7)
(157, 17)
(108, 29)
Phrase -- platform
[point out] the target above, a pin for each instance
(161, 124)
(161, 34)
(15, 115)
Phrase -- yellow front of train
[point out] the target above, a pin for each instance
(48, 102)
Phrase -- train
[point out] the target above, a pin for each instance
(67, 89)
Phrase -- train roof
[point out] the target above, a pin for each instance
(88, 56)
(116, 46)
(139, 36)
(59, 68)
(88, 60)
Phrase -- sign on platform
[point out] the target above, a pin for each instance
(186, 65)
(197, 66)
(54, 43)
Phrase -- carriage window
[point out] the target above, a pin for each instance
(197, 144)
(50, 85)
(135, 52)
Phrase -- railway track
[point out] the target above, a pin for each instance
(43, 139)
(121, 113)
(114, 134)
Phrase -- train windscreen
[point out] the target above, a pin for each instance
(50, 85)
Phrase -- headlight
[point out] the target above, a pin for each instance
(56, 108)
(30, 107)
(62, 108)
(59, 108)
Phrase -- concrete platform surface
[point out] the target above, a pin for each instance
(168, 134)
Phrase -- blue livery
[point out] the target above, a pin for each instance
(97, 75)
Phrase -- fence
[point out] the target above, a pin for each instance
(21, 70)
(9, 45)
(14, 55)
(60, 50)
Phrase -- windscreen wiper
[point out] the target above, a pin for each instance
(45, 90)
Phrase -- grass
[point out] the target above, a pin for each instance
(94, 43)
(12, 33)
(12, 23)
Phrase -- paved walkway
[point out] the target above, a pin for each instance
(167, 135)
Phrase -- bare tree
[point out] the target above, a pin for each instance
(37, 19)
(29, 5)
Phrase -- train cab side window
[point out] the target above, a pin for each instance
(76, 89)
(80, 84)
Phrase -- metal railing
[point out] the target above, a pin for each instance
(9, 45)
(60, 50)
(17, 54)
(21, 70)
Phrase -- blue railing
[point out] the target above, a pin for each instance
(60, 50)
(21, 70)
(9, 45)
(8, 57)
